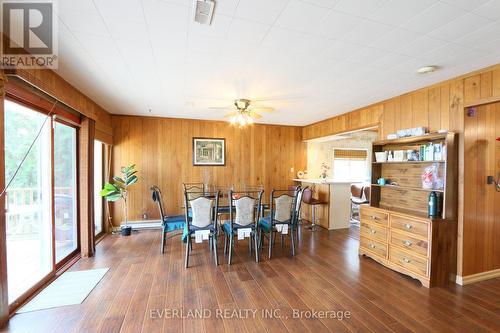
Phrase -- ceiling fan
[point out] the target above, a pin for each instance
(245, 113)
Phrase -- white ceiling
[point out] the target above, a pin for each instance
(314, 58)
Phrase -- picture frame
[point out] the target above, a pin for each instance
(209, 151)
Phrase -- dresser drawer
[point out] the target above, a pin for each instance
(410, 243)
(374, 216)
(373, 231)
(409, 261)
(416, 227)
(376, 247)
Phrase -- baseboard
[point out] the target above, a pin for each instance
(463, 280)
(144, 224)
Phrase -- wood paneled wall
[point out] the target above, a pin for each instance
(440, 106)
(162, 150)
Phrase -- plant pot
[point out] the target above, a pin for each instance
(126, 231)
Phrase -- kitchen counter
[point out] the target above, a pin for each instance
(323, 181)
(335, 212)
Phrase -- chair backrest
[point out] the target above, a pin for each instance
(247, 206)
(307, 195)
(194, 187)
(356, 190)
(253, 188)
(156, 196)
(282, 204)
(298, 202)
(203, 207)
(366, 193)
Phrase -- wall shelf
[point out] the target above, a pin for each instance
(407, 188)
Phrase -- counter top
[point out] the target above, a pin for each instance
(324, 181)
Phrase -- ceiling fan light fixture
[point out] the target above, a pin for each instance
(427, 69)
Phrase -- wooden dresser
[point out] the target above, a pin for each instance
(395, 229)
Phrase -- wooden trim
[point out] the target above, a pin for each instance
(469, 279)
(482, 101)
(31, 99)
(86, 187)
(4, 300)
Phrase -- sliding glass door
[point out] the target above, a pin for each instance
(41, 200)
(29, 199)
(65, 212)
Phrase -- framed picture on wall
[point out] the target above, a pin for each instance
(209, 151)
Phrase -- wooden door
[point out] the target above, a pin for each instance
(481, 232)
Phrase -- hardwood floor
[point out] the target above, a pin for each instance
(143, 289)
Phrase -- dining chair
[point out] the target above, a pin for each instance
(168, 223)
(284, 210)
(243, 218)
(201, 213)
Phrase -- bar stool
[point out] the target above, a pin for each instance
(313, 203)
(357, 199)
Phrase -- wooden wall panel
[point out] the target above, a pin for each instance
(162, 150)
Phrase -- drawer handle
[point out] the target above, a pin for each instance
(373, 232)
(407, 243)
(372, 246)
(375, 218)
(406, 260)
(408, 226)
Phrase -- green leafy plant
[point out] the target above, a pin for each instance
(118, 189)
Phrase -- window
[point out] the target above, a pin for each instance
(350, 165)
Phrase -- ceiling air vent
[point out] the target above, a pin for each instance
(204, 11)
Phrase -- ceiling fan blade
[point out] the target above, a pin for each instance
(221, 107)
(278, 98)
(261, 108)
(255, 115)
(231, 114)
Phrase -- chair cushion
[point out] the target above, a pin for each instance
(226, 228)
(174, 219)
(167, 227)
(359, 201)
(265, 223)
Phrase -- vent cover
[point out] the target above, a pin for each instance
(204, 11)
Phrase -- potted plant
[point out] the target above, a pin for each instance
(118, 189)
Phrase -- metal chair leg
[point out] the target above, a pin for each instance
(312, 227)
(225, 243)
(256, 247)
(292, 241)
(188, 245)
(230, 249)
(271, 242)
(214, 243)
(282, 240)
(163, 239)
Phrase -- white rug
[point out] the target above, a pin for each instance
(68, 289)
